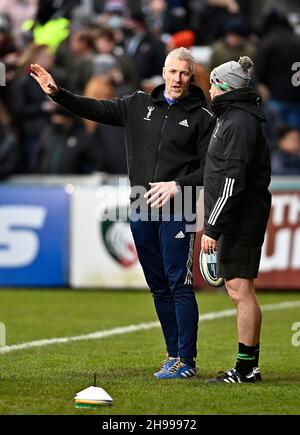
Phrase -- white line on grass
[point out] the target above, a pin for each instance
(139, 327)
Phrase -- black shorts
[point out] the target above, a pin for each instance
(235, 260)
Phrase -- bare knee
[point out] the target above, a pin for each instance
(240, 289)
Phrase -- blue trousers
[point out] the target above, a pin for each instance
(165, 251)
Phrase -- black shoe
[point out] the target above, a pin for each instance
(256, 371)
(234, 377)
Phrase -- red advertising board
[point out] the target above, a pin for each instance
(280, 261)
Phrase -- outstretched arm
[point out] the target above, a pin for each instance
(112, 112)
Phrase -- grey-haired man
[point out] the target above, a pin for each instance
(167, 134)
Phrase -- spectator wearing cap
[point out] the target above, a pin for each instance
(233, 45)
(107, 65)
(286, 159)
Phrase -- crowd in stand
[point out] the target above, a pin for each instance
(109, 48)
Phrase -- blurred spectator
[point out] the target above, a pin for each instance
(18, 12)
(62, 147)
(145, 49)
(178, 16)
(113, 6)
(107, 150)
(114, 16)
(202, 80)
(8, 56)
(99, 87)
(9, 152)
(106, 143)
(155, 15)
(274, 65)
(286, 159)
(213, 17)
(31, 106)
(111, 54)
(75, 57)
(105, 43)
(148, 85)
(107, 64)
(7, 43)
(260, 8)
(48, 9)
(51, 24)
(233, 45)
(184, 38)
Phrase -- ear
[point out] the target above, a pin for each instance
(164, 73)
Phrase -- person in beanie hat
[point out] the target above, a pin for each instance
(237, 203)
(232, 75)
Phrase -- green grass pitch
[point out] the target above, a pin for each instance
(44, 380)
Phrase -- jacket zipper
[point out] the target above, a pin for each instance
(159, 144)
(217, 129)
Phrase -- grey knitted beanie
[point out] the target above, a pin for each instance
(232, 75)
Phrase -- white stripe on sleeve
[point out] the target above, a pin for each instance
(227, 192)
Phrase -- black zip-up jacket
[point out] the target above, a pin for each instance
(163, 142)
(238, 170)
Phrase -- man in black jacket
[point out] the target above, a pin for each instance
(237, 203)
(167, 134)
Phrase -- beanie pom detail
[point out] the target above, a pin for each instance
(246, 63)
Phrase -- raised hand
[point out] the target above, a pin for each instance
(44, 79)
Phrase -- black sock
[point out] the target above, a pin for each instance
(245, 359)
(190, 361)
(256, 354)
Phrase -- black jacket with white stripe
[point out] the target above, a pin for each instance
(238, 170)
(163, 142)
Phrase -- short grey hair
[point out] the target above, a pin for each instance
(182, 53)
